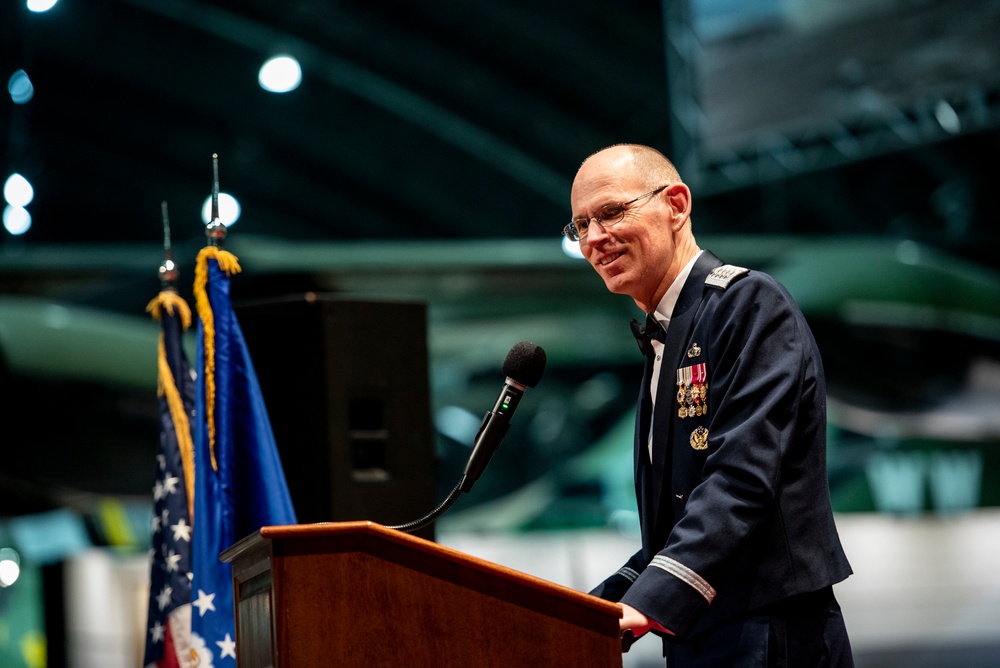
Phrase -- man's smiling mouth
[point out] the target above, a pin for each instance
(611, 258)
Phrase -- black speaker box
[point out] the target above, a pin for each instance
(347, 391)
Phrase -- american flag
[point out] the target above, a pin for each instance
(169, 617)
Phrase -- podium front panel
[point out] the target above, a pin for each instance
(356, 594)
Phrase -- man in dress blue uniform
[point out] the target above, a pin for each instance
(739, 548)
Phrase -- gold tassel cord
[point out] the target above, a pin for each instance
(229, 264)
(173, 304)
(168, 388)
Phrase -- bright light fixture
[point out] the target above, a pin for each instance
(10, 566)
(38, 6)
(280, 74)
(16, 219)
(571, 248)
(17, 190)
(229, 209)
(20, 87)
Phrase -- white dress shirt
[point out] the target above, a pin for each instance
(662, 314)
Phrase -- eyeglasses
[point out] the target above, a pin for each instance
(608, 215)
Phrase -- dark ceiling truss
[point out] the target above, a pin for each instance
(887, 130)
(379, 91)
(876, 126)
(438, 120)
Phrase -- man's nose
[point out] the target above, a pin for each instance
(595, 232)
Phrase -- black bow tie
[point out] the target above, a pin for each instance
(644, 333)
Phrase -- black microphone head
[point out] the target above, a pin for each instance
(525, 363)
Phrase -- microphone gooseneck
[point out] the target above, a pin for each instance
(523, 367)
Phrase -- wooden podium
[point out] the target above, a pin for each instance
(360, 594)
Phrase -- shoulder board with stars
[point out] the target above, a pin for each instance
(721, 277)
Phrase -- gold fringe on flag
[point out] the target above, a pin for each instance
(174, 305)
(229, 264)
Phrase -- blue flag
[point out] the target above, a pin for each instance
(169, 618)
(239, 482)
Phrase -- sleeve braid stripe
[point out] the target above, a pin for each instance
(685, 574)
(628, 573)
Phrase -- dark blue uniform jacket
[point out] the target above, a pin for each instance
(735, 506)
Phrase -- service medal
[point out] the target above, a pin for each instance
(692, 390)
(700, 382)
(683, 388)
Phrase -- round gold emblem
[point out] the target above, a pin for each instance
(699, 438)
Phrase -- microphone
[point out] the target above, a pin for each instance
(523, 367)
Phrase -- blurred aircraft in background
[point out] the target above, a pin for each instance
(910, 337)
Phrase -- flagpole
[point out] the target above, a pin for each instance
(168, 270)
(240, 481)
(215, 230)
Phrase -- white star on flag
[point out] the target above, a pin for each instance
(227, 647)
(170, 484)
(182, 530)
(204, 603)
(163, 600)
(157, 630)
(173, 561)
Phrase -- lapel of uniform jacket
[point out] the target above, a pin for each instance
(643, 477)
(665, 413)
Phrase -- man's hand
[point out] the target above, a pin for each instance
(638, 622)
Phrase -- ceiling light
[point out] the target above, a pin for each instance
(38, 6)
(229, 209)
(16, 219)
(280, 74)
(20, 87)
(571, 248)
(17, 190)
(10, 566)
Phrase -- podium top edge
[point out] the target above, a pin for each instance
(368, 529)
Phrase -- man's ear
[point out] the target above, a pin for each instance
(679, 197)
